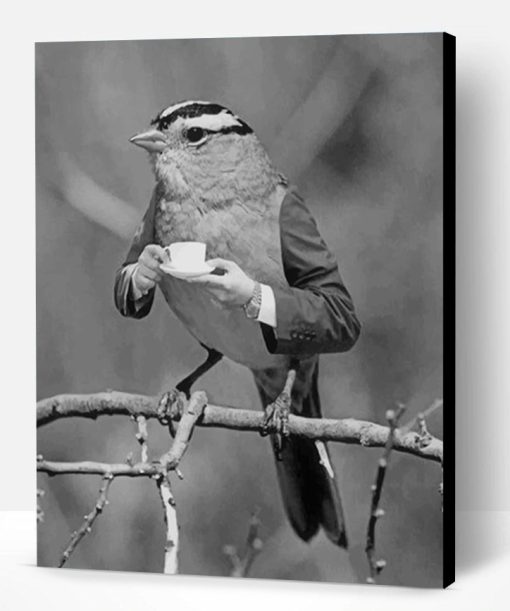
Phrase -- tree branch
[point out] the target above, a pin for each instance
(89, 520)
(241, 565)
(421, 417)
(196, 411)
(169, 461)
(90, 467)
(193, 411)
(376, 566)
(159, 471)
(347, 430)
(171, 565)
(142, 436)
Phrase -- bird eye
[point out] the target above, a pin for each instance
(195, 134)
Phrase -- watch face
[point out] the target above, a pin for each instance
(252, 310)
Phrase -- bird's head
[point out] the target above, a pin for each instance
(204, 150)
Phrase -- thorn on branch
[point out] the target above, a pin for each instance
(241, 565)
(88, 520)
(376, 512)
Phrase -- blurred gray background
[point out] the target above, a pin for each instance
(356, 123)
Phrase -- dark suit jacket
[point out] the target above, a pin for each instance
(314, 314)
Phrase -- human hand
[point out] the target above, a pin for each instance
(233, 289)
(147, 273)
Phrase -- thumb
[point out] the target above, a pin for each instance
(158, 252)
(220, 263)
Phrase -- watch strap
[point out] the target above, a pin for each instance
(252, 306)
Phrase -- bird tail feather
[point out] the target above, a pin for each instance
(307, 478)
(309, 491)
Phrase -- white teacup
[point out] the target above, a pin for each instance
(187, 255)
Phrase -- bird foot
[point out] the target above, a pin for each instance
(171, 407)
(276, 422)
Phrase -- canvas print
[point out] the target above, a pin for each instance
(240, 306)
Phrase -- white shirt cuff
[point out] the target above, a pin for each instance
(131, 271)
(267, 313)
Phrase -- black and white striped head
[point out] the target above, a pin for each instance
(190, 124)
(195, 144)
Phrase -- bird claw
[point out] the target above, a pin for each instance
(276, 422)
(170, 408)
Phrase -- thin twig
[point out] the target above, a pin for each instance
(424, 437)
(142, 436)
(347, 430)
(193, 409)
(376, 566)
(171, 563)
(192, 412)
(422, 416)
(90, 467)
(241, 565)
(89, 520)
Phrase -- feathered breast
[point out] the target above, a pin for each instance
(246, 234)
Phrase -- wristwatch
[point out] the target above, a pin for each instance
(252, 307)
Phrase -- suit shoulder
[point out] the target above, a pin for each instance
(304, 252)
(292, 200)
(295, 217)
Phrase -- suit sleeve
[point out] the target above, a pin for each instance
(315, 313)
(125, 301)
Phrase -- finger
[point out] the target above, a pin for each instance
(148, 262)
(149, 274)
(156, 252)
(142, 282)
(220, 263)
(215, 294)
(221, 297)
(139, 279)
(145, 285)
(208, 280)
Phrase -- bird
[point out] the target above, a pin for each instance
(215, 183)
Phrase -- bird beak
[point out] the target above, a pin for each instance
(153, 141)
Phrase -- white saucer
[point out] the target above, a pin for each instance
(186, 272)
